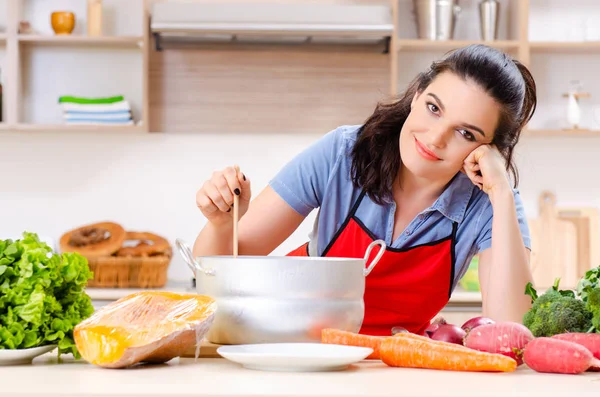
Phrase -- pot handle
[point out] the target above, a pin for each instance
(185, 251)
(377, 258)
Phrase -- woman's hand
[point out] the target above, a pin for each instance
(215, 198)
(485, 166)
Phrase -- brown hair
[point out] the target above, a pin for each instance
(376, 154)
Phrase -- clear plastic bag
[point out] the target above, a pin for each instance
(145, 327)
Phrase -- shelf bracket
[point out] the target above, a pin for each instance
(386, 49)
(157, 42)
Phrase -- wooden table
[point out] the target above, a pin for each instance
(211, 377)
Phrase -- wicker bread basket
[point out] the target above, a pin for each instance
(129, 272)
(116, 264)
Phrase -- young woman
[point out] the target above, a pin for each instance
(428, 174)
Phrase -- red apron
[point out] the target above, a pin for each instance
(407, 287)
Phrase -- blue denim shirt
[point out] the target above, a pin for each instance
(319, 178)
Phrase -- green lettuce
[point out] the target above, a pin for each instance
(42, 295)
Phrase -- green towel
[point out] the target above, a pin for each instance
(74, 99)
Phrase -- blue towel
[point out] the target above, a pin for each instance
(123, 121)
(107, 113)
(119, 115)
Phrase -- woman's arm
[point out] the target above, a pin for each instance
(297, 189)
(267, 223)
(504, 268)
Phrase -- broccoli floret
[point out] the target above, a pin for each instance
(556, 312)
(569, 315)
(538, 321)
(528, 318)
(547, 298)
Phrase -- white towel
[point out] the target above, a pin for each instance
(93, 107)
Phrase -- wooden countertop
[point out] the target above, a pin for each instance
(219, 377)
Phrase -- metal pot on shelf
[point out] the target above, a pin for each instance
(489, 11)
(436, 19)
(278, 299)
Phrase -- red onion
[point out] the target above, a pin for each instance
(398, 330)
(476, 322)
(449, 333)
(434, 326)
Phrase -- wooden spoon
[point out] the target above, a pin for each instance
(236, 202)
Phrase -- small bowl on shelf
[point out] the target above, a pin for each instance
(63, 22)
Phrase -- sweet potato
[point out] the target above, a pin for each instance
(507, 338)
(590, 341)
(552, 355)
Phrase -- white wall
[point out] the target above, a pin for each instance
(50, 182)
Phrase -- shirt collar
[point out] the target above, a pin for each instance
(454, 200)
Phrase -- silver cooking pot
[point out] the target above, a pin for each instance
(271, 299)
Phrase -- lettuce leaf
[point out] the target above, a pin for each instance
(588, 282)
(42, 295)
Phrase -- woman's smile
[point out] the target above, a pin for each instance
(425, 152)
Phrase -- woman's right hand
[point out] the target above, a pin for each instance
(215, 198)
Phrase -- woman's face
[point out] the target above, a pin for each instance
(448, 120)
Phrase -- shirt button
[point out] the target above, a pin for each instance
(421, 217)
(408, 232)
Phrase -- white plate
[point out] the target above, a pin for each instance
(298, 357)
(23, 356)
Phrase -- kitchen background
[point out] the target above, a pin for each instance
(257, 106)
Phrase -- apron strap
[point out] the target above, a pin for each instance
(453, 256)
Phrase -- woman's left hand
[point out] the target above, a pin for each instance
(485, 166)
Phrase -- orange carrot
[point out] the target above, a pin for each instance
(339, 337)
(415, 351)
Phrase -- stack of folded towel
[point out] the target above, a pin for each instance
(113, 110)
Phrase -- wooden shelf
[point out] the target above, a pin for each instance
(426, 45)
(564, 46)
(562, 133)
(133, 41)
(75, 128)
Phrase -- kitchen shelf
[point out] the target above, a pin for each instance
(26, 53)
(564, 46)
(518, 42)
(134, 41)
(563, 133)
(426, 45)
(77, 128)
